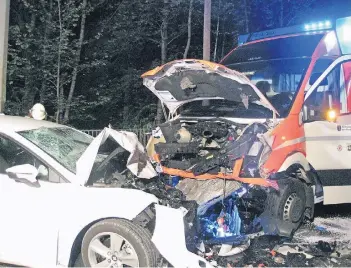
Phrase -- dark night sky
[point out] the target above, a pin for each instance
(327, 9)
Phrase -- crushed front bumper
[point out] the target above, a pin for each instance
(169, 239)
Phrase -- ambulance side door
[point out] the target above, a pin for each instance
(327, 126)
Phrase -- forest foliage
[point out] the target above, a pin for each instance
(83, 58)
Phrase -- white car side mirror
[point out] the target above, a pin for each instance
(23, 173)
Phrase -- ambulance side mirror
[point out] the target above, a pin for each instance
(304, 113)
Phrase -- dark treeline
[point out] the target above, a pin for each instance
(83, 58)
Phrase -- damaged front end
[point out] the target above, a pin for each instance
(210, 178)
(213, 148)
(118, 159)
(199, 218)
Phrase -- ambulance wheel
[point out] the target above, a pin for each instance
(289, 203)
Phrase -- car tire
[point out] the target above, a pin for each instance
(136, 240)
(289, 203)
(78, 261)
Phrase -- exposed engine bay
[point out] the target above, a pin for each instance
(212, 147)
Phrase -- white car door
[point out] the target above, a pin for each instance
(29, 212)
(328, 142)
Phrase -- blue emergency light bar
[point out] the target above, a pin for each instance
(318, 26)
(312, 27)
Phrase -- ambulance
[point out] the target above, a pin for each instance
(302, 76)
(311, 65)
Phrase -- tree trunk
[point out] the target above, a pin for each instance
(164, 34)
(185, 55)
(164, 43)
(223, 37)
(207, 30)
(75, 69)
(58, 86)
(217, 33)
(46, 34)
(247, 30)
(43, 82)
(281, 18)
(127, 100)
(30, 91)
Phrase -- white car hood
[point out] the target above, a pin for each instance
(138, 162)
(182, 81)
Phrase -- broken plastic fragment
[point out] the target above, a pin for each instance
(245, 100)
(157, 133)
(321, 229)
(228, 250)
(284, 250)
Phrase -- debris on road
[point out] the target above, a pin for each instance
(285, 250)
(279, 260)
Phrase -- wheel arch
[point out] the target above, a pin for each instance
(296, 159)
(297, 164)
(77, 243)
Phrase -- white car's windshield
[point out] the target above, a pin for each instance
(65, 145)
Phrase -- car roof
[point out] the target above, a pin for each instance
(19, 123)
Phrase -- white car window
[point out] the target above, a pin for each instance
(64, 144)
(12, 154)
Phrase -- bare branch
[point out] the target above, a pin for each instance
(58, 90)
(185, 55)
(174, 38)
(78, 54)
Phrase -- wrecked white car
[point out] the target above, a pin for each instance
(54, 208)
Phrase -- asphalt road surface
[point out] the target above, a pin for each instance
(332, 223)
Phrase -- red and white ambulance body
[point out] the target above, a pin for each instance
(303, 75)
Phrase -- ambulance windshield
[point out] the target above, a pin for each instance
(276, 66)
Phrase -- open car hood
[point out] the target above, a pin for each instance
(182, 81)
(138, 162)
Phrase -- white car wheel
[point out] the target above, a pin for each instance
(118, 243)
(110, 249)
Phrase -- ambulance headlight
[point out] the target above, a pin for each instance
(331, 115)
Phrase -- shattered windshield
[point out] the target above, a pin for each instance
(65, 145)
